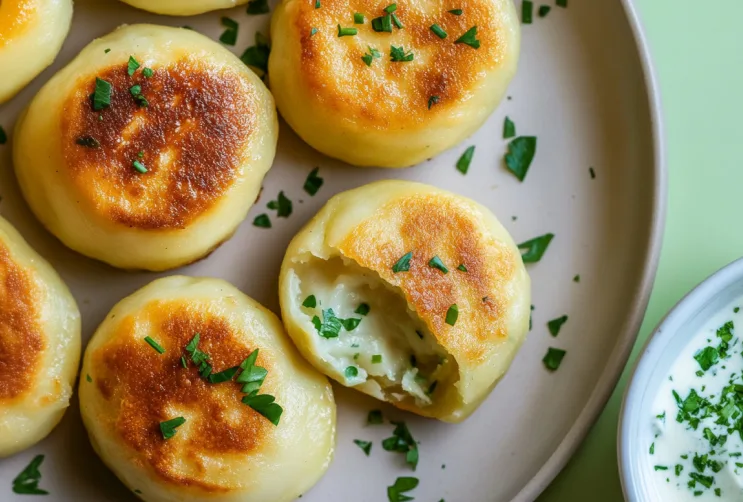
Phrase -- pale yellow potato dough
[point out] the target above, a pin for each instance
(39, 344)
(225, 451)
(183, 7)
(206, 138)
(384, 114)
(31, 35)
(403, 350)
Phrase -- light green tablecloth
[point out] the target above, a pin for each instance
(697, 48)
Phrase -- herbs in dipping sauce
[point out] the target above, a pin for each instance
(27, 482)
(402, 442)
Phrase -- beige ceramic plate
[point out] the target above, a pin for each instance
(584, 90)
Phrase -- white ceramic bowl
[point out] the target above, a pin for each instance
(654, 364)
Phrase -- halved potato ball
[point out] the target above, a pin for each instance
(39, 344)
(191, 391)
(31, 35)
(398, 88)
(148, 149)
(408, 293)
(183, 7)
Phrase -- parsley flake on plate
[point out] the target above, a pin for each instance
(374, 417)
(463, 164)
(544, 10)
(257, 55)
(27, 482)
(169, 427)
(520, 155)
(365, 446)
(553, 358)
(262, 221)
(396, 492)
(282, 205)
(555, 324)
(561, 3)
(402, 441)
(256, 7)
(535, 248)
(229, 35)
(509, 128)
(527, 8)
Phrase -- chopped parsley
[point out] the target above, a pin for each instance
(469, 38)
(432, 101)
(576, 278)
(136, 92)
(362, 309)
(396, 21)
(403, 264)
(199, 358)
(313, 31)
(358, 18)
(402, 442)
(592, 173)
(282, 205)
(310, 302)
(3, 136)
(376, 358)
(535, 248)
(256, 7)
(152, 343)
(257, 55)
(317, 4)
(313, 182)
(229, 35)
(224, 375)
(390, 8)
(88, 142)
(452, 314)
(252, 378)
(132, 66)
(382, 24)
(369, 57)
(456, 12)
(346, 32)
(520, 154)
(148, 72)
(544, 10)
(351, 372)
(88, 379)
(463, 164)
(262, 221)
(707, 357)
(396, 492)
(509, 128)
(436, 262)
(101, 94)
(462, 267)
(527, 8)
(265, 405)
(330, 326)
(350, 324)
(438, 30)
(169, 427)
(561, 3)
(553, 358)
(374, 417)
(555, 324)
(27, 482)
(398, 54)
(139, 166)
(365, 446)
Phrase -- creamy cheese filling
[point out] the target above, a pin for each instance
(389, 347)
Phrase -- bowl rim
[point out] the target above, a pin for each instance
(628, 334)
(704, 292)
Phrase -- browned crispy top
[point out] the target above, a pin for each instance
(15, 17)
(21, 340)
(395, 92)
(147, 388)
(192, 139)
(440, 225)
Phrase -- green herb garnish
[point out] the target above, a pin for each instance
(509, 129)
(438, 30)
(148, 72)
(224, 375)
(27, 482)
(527, 8)
(251, 376)
(362, 309)
(398, 54)
(553, 358)
(3, 136)
(88, 142)
(396, 492)
(432, 101)
(463, 164)
(555, 324)
(262, 221)
(169, 427)
(396, 21)
(358, 18)
(520, 154)
(313, 31)
(136, 92)
(576, 278)
(347, 32)
(390, 8)
(382, 24)
(452, 314)
(152, 343)
(199, 358)
(436, 262)
(256, 7)
(375, 417)
(370, 56)
(351, 372)
(462, 267)
(88, 379)
(592, 173)
(376, 358)
(365, 446)
(257, 55)
(310, 302)
(132, 66)
(265, 405)
(707, 357)
(282, 205)
(561, 3)
(313, 182)
(229, 36)
(330, 326)
(102, 94)
(469, 38)
(456, 12)
(139, 166)
(544, 10)
(535, 248)
(402, 442)
(317, 4)
(403, 264)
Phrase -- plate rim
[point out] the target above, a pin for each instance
(630, 330)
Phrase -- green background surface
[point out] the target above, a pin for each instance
(697, 50)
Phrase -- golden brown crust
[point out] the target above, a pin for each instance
(148, 387)
(21, 340)
(339, 78)
(431, 225)
(15, 17)
(193, 136)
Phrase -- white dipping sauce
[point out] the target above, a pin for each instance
(705, 463)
